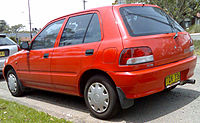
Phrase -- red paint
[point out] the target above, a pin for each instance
(62, 70)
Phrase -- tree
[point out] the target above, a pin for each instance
(178, 9)
(3, 26)
(15, 29)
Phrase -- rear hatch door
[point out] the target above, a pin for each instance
(152, 27)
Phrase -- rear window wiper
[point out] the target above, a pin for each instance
(176, 35)
(147, 17)
(173, 26)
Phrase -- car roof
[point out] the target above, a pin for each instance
(138, 4)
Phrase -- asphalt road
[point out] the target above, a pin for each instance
(180, 105)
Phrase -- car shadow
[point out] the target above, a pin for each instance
(154, 106)
(63, 100)
(1, 78)
(144, 110)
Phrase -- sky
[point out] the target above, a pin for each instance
(42, 11)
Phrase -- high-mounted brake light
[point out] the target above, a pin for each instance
(136, 55)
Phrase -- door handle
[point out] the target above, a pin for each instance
(89, 52)
(46, 55)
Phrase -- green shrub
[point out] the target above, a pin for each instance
(197, 47)
(194, 29)
(14, 39)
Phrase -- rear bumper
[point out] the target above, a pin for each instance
(141, 83)
(2, 61)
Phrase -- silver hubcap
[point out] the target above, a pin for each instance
(12, 83)
(98, 97)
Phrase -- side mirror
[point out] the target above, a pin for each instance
(24, 45)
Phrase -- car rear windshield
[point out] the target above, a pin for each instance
(6, 41)
(146, 20)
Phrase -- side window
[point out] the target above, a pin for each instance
(47, 38)
(75, 29)
(94, 32)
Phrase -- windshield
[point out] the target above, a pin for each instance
(6, 41)
(141, 21)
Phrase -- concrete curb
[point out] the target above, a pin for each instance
(193, 34)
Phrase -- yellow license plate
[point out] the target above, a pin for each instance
(2, 53)
(172, 79)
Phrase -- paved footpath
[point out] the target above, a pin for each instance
(182, 105)
(195, 36)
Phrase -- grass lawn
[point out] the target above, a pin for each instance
(11, 112)
(197, 47)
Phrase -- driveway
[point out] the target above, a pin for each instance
(180, 105)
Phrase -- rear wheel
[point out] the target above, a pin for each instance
(101, 97)
(14, 85)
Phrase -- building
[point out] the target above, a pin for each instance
(21, 36)
(191, 21)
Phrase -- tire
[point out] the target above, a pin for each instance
(14, 85)
(101, 97)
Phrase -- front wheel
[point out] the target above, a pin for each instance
(101, 97)
(14, 85)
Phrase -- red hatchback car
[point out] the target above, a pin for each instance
(109, 55)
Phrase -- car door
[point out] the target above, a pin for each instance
(68, 57)
(39, 56)
(91, 42)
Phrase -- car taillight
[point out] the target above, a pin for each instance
(191, 42)
(136, 55)
(18, 48)
(191, 45)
